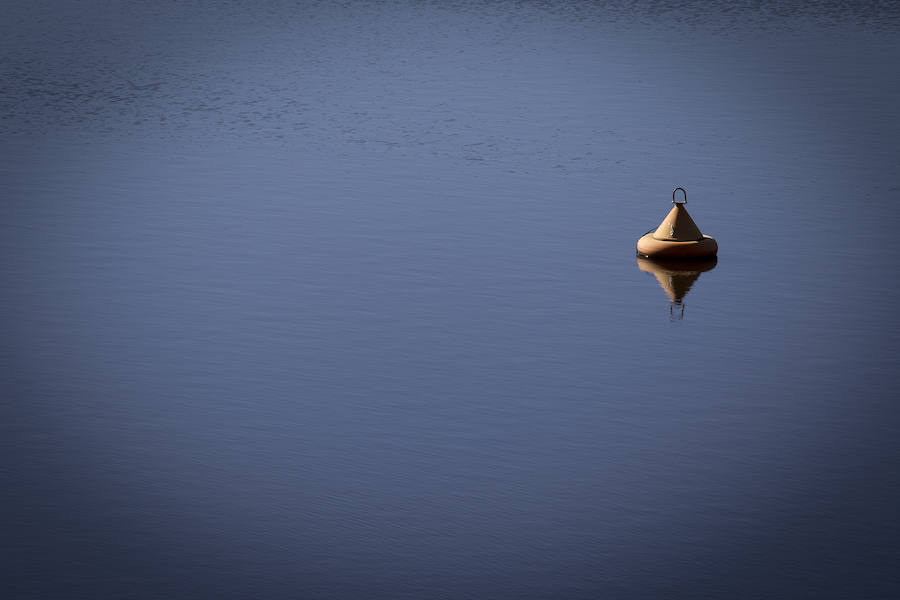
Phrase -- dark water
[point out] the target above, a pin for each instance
(340, 300)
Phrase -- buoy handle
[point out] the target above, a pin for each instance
(683, 191)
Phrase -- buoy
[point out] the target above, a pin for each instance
(677, 236)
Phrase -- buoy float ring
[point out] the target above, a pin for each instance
(653, 248)
(677, 236)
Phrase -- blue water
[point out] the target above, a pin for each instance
(339, 300)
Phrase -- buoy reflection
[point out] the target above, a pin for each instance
(676, 277)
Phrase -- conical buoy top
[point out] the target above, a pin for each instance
(678, 226)
(677, 237)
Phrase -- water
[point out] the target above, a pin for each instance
(340, 301)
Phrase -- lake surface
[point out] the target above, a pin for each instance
(340, 300)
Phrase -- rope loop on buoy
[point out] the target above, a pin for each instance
(683, 191)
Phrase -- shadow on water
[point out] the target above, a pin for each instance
(676, 277)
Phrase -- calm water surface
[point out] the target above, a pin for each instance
(340, 300)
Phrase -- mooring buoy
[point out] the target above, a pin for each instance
(677, 236)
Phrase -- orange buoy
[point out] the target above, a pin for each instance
(677, 236)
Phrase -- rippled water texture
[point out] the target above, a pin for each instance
(340, 300)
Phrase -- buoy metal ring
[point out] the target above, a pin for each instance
(683, 191)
